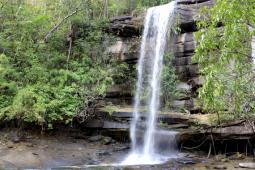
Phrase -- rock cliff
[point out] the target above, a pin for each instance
(128, 29)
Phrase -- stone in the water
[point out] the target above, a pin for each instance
(95, 138)
(220, 167)
(249, 165)
(10, 144)
(30, 145)
(117, 149)
(186, 161)
(107, 140)
(103, 153)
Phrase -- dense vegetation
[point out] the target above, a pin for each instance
(224, 57)
(53, 60)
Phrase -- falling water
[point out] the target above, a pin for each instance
(157, 24)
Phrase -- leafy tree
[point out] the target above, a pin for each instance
(224, 57)
(169, 82)
(45, 82)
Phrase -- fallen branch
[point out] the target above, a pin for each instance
(56, 26)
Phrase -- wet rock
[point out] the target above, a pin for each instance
(232, 132)
(68, 167)
(115, 125)
(16, 139)
(6, 165)
(186, 161)
(123, 114)
(103, 153)
(237, 156)
(94, 124)
(121, 148)
(219, 167)
(43, 146)
(249, 165)
(79, 136)
(30, 145)
(176, 126)
(95, 138)
(107, 140)
(10, 144)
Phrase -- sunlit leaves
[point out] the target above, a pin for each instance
(224, 57)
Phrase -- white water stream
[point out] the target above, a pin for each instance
(158, 22)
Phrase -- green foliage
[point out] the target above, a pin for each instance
(150, 3)
(223, 54)
(110, 109)
(38, 83)
(169, 82)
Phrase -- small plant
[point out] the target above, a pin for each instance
(110, 109)
(169, 82)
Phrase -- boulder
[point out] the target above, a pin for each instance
(249, 165)
(95, 138)
(107, 140)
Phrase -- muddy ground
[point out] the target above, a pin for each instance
(80, 151)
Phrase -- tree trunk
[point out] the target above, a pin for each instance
(106, 8)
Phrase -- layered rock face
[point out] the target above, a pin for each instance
(129, 29)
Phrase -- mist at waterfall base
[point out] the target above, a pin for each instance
(149, 144)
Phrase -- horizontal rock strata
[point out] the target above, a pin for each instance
(129, 30)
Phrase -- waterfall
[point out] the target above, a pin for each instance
(158, 23)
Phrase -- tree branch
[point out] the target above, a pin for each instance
(56, 26)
